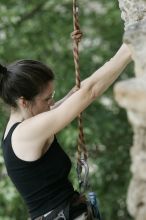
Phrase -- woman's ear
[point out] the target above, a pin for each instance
(22, 102)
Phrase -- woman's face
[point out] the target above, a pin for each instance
(44, 100)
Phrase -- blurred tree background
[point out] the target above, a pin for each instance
(41, 30)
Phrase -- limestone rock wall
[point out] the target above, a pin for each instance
(131, 95)
(132, 11)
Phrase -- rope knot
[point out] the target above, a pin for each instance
(77, 35)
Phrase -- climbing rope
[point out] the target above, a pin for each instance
(93, 210)
(82, 153)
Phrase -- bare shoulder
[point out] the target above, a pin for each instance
(28, 149)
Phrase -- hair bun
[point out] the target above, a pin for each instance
(3, 70)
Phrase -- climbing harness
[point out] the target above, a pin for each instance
(82, 153)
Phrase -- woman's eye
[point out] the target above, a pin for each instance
(48, 99)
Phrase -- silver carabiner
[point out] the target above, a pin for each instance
(83, 173)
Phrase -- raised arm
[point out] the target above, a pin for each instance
(42, 126)
(101, 79)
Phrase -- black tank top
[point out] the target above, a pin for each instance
(42, 183)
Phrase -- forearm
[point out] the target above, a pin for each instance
(101, 79)
(74, 89)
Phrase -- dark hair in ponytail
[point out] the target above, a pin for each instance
(24, 78)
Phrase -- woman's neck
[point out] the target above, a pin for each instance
(16, 116)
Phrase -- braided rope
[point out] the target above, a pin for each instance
(82, 150)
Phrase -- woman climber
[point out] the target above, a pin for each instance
(35, 162)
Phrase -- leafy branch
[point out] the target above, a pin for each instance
(26, 16)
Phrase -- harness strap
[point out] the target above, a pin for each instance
(60, 213)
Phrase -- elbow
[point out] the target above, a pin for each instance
(93, 88)
(97, 91)
(91, 93)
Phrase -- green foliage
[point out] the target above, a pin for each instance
(41, 30)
